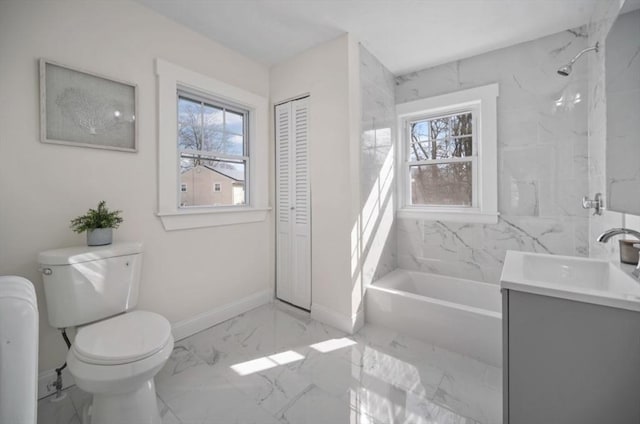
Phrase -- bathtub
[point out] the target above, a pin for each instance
(460, 315)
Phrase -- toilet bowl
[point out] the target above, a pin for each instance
(117, 350)
(116, 360)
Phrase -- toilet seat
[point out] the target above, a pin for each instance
(97, 378)
(123, 339)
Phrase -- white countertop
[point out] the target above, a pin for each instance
(587, 280)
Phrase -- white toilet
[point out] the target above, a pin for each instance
(117, 351)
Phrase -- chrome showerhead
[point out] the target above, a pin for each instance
(566, 69)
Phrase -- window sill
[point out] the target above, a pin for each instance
(448, 215)
(202, 218)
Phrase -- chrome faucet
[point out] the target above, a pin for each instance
(604, 237)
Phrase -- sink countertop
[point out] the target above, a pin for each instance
(580, 279)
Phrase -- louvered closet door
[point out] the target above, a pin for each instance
(294, 208)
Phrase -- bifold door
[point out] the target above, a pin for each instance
(293, 227)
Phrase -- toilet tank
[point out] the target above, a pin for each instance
(89, 283)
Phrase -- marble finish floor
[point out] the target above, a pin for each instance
(275, 365)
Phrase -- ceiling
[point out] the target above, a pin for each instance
(405, 35)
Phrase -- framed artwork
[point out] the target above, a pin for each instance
(79, 108)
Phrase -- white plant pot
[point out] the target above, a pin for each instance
(99, 236)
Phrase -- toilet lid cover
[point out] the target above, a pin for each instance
(122, 339)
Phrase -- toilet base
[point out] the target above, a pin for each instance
(139, 406)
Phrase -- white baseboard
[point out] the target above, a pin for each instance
(204, 320)
(180, 330)
(342, 322)
(46, 382)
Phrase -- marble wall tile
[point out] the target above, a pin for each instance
(542, 159)
(377, 176)
(623, 102)
(603, 18)
(477, 251)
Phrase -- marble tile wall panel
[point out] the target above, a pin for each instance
(622, 52)
(542, 159)
(376, 160)
(601, 22)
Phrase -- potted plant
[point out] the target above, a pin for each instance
(98, 223)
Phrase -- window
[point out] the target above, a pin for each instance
(441, 160)
(208, 132)
(183, 187)
(212, 143)
(447, 156)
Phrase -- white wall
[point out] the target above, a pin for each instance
(326, 73)
(43, 186)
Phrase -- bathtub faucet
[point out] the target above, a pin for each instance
(604, 237)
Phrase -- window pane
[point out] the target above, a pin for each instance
(459, 147)
(439, 128)
(234, 123)
(233, 145)
(461, 124)
(440, 138)
(441, 149)
(189, 124)
(213, 126)
(201, 174)
(447, 184)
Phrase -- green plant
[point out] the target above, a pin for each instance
(97, 218)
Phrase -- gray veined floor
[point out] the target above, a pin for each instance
(275, 365)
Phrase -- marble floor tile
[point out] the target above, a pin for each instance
(275, 365)
(201, 395)
(272, 389)
(58, 411)
(315, 406)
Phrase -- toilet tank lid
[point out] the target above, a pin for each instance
(79, 254)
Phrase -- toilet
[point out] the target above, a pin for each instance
(117, 350)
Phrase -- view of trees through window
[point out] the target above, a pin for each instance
(212, 147)
(441, 155)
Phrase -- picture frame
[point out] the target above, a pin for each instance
(85, 109)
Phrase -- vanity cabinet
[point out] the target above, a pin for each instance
(567, 361)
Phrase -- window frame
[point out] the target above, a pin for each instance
(217, 188)
(212, 155)
(171, 78)
(473, 159)
(482, 103)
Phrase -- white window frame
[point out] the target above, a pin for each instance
(171, 79)
(217, 188)
(482, 102)
(245, 158)
(183, 187)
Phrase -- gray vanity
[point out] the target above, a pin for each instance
(571, 329)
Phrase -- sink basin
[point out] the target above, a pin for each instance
(582, 279)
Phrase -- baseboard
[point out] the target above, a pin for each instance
(342, 322)
(46, 382)
(204, 320)
(180, 330)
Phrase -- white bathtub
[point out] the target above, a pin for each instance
(459, 315)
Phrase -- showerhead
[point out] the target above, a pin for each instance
(566, 69)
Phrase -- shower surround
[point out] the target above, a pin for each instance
(542, 160)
